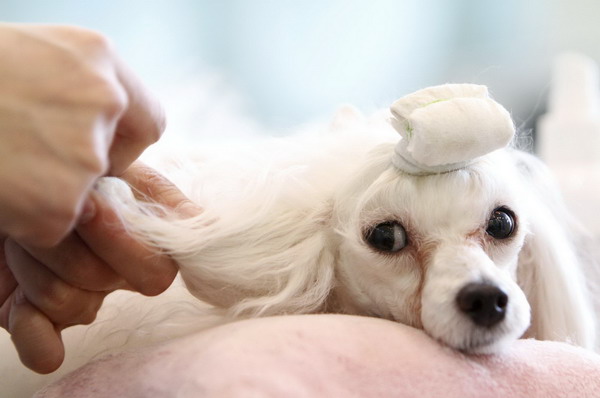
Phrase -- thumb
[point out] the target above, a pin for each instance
(148, 184)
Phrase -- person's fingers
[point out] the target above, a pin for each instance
(73, 262)
(141, 125)
(35, 337)
(145, 270)
(63, 304)
(8, 282)
(148, 184)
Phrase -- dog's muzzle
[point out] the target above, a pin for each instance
(485, 304)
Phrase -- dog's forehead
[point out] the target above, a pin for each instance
(462, 199)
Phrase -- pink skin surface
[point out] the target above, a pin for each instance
(331, 356)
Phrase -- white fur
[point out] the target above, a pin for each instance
(283, 232)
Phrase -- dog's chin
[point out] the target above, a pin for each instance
(485, 346)
(483, 342)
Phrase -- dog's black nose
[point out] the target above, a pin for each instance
(484, 303)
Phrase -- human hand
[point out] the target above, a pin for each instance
(44, 290)
(70, 111)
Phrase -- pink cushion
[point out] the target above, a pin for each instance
(332, 356)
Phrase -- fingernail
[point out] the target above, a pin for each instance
(89, 210)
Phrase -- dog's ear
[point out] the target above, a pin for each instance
(345, 116)
(276, 261)
(550, 270)
(266, 252)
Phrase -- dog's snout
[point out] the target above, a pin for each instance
(484, 303)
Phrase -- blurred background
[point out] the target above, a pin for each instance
(232, 69)
(285, 62)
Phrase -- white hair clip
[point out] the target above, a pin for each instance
(445, 128)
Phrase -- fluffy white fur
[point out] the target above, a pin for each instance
(283, 232)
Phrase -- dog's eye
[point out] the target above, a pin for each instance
(501, 224)
(388, 236)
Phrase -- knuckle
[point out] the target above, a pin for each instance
(95, 41)
(99, 91)
(113, 98)
(57, 297)
(88, 316)
(68, 305)
(92, 81)
(105, 94)
(83, 38)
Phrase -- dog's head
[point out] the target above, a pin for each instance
(439, 252)
(442, 235)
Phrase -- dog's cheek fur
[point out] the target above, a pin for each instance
(369, 282)
(375, 284)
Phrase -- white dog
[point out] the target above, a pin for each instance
(449, 230)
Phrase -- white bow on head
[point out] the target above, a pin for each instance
(445, 128)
